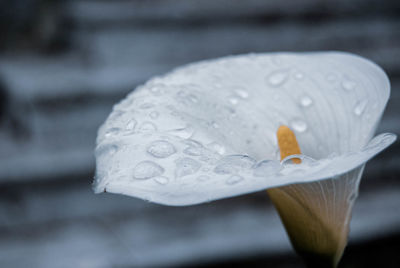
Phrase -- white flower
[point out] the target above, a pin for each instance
(207, 131)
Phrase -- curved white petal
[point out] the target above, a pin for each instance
(207, 131)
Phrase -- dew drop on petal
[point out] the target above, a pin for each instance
(161, 180)
(184, 133)
(242, 93)
(266, 168)
(224, 168)
(192, 143)
(215, 125)
(234, 179)
(203, 178)
(161, 149)
(193, 99)
(298, 125)
(305, 160)
(147, 126)
(360, 107)
(299, 75)
(154, 115)
(306, 101)
(233, 163)
(233, 100)
(146, 170)
(348, 84)
(193, 151)
(186, 166)
(107, 149)
(146, 106)
(216, 147)
(187, 98)
(243, 161)
(131, 124)
(112, 132)
(195, 148)
(277, 78)
(157, 89)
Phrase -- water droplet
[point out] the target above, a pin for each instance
(147, 126)
(184, 133)
(242, 93)
(146, 106)
(348, 84)
(299, 75)
(192, 143)
(216, 147)
(186, 166)
(161, 180)
(131, 124)
(266, 168)
(214, 124)
(106, 149)
(157, 89)
(161, 149)
(186, 97)
(146, 170)
(243, 161)
(360, 107)
(193, 151)
(154, 114)
(277, 78)
(305, 160)
(234, 179)
(203, 178)
(233, 100)
(112, 132)
(233, 163)
(193, 98)
(195, 148)
(306, 101)
(298, 125)
(225, 168)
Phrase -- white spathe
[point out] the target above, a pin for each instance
(207, 130)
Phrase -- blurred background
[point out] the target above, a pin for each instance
(64, 63)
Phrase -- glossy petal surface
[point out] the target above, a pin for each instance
(207, 130)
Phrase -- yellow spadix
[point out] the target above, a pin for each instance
(307, 214)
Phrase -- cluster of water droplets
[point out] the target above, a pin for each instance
(168, 161)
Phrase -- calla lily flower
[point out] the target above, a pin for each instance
(208, 131)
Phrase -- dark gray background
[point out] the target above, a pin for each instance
(63, 64)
